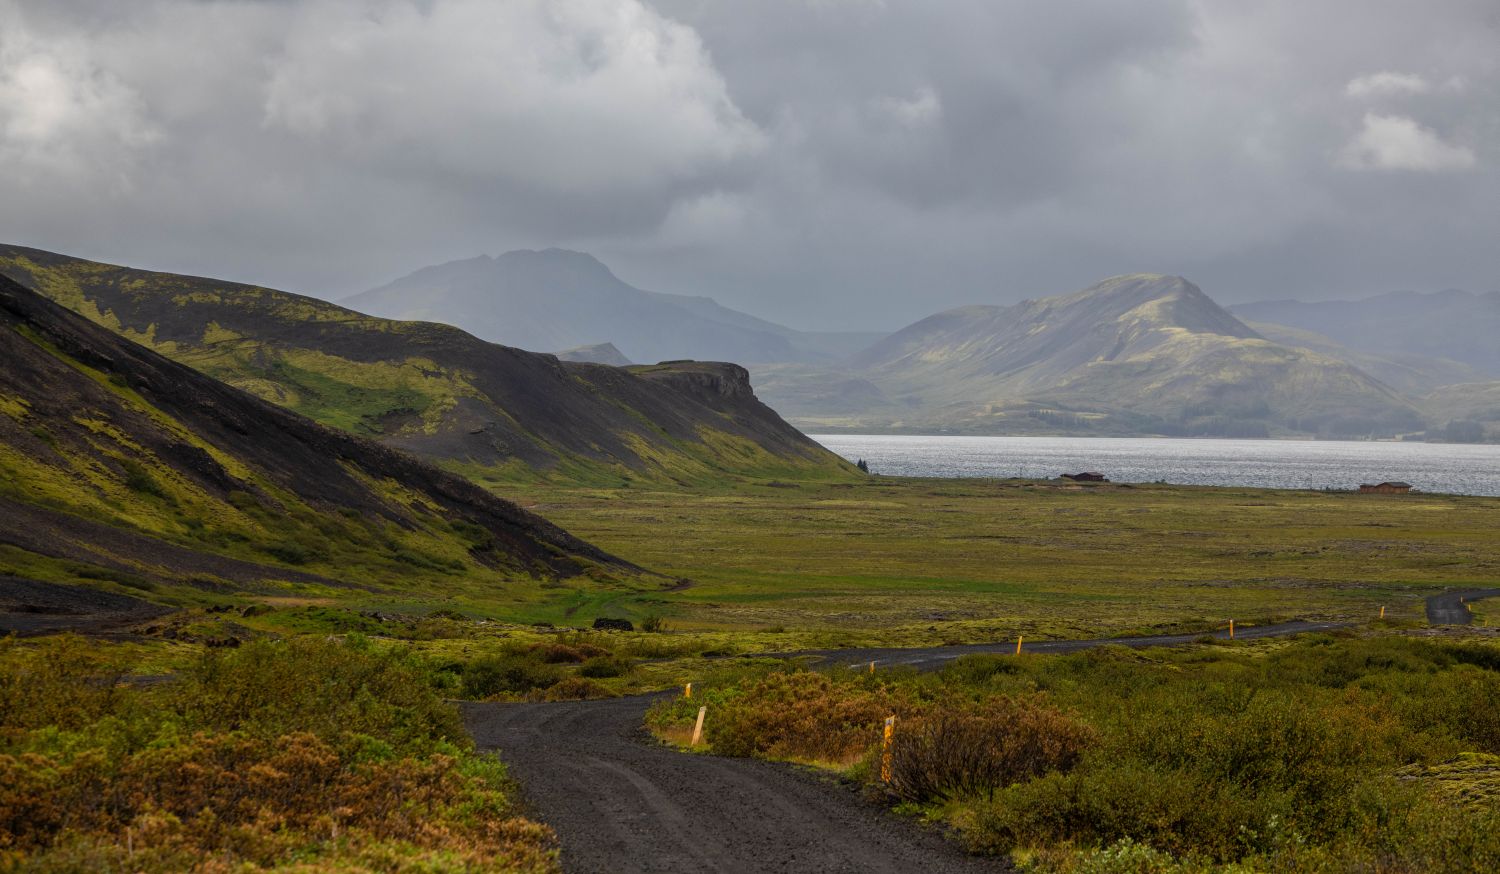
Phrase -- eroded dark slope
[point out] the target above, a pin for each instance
(118, 465)
(490, 410)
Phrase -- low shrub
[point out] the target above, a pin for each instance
(604, 667)
(801, 715)
(502, 673)
(574, 689)
(562, 653)
(318, 755)
(974, 750)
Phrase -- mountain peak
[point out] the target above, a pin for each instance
(555, 259)
(1154, 284)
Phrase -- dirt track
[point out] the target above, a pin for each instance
(622, 803)
(1450, 608)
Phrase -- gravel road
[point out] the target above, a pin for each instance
(1449, 608)
(620, 802)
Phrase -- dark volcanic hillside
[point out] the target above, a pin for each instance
(491, 410)
(1133, 354)
(119, 464)
(556, 299)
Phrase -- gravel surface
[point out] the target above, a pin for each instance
(622, 802)
(933, 658)
(1450, 608)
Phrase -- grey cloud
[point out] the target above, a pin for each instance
(822, 162)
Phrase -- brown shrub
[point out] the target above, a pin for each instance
(804, 716)
(980, 748)
(558, 653)
(566, 653)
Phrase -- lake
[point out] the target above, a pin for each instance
(1284, 464)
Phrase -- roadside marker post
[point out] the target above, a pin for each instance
(1231, 629)
(885, 749)
(687, 690)
(872, 666)
(1382, 611)
(1019, 638)
(698, 729)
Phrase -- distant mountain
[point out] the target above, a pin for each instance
(140, 479)
(1476, 402)
(492, 411)
(599, 353)
(1133, 354)
(1413, 375)
(1454, 325)
(556, 299)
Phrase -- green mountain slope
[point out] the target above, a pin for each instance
(1133, 354)
(1477, 402)
(557, 299)
(145, 479)
(490, 411)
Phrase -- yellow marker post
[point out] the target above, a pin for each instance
(1231, 629)
(698, 729)
(1019, 638)
(885, 749)
(872, 666)
(1382, 611)
(687, 690)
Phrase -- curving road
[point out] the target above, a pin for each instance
(933, 658)
(1450, 608)
(621, 802)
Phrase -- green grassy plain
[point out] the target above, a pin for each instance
(911, 561)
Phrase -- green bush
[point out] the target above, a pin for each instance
(1326, 754)
(604, 667)
(504, 673)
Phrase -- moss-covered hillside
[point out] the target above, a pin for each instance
(144, 480)
(492, 412)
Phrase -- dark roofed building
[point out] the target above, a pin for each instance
(1392, 488)
(1086, 477)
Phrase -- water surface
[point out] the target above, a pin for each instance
(1296, 464)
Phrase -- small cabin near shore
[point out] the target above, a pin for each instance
(1086, 477)
(1385, 489)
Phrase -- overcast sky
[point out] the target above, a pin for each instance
(824, 163)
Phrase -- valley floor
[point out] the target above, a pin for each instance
(906, 562)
